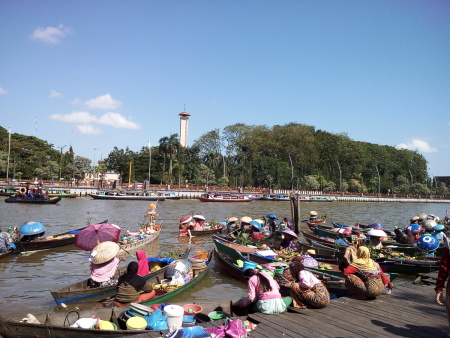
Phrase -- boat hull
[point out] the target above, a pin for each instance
(127, 198)
(47, 244)
(51, 200)
(81, 290)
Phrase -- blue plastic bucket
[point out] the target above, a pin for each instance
(248, 265)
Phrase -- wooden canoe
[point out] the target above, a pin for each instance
(7, 253)
(136, 242)
(66, 238)
(335, 285)
(81, 290)
(57, 324)
(195, 233)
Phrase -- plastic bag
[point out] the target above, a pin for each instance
(235, 328)
(156, 321)
(217, 332)
(177, 278)
(189, 332)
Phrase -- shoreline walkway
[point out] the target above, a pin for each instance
(410, 311)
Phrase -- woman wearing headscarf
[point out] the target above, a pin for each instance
(132, 287)
(306, 290)
(364, 276)
(263, 294)
(142, 263)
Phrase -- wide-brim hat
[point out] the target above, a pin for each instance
(200, 217)
(313, 213)
(429, 224)
(105, 251)
(232, 219)
(246, 219)
(376, 226)
(186, 219)
(260, 221)
(290, 232)
(376, 233)
(414, 218)
(422, 216)
(439, 227)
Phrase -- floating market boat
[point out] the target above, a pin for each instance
(224, 198)
(81, 290)
(32, 238)
(58, 324)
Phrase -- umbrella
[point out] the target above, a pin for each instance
(256, 225)
(31, 228)
(94, 234)
(272, 216)
(104, 252)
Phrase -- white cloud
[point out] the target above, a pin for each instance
(103, 102)
(87, 129)
(416, 144)
(117, 121)
(84, 121)
(3, 91)
(51, 35)
(76, 102)
(75, 118)
(54, 93)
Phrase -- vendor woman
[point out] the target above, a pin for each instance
(263, 294)
(306, 290)
(364, 276)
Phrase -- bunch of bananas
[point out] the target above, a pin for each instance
(324, 266)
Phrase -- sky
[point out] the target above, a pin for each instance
(102, 74)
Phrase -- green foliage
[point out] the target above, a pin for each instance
(242, 238)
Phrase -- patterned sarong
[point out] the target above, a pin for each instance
(372, 287)
(317, 297)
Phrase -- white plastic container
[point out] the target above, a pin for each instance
(174, 315)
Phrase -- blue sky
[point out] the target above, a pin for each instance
(98, 74)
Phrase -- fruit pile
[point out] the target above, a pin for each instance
(164, 287)
(323, 266)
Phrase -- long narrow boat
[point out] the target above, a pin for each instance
(226, 257)
(137, 241)
(62, 193)
(57, 324)
(49, 242)
(81, 290)
(206, 232)
(321, 236)
(37, 200)
(224, 198)
(198, 275)
(128, 197)
(6, 254)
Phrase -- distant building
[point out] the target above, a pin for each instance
(184, 120)
(442, 179)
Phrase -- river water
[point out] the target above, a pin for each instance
(26, 281)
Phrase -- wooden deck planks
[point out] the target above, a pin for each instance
(410, 311)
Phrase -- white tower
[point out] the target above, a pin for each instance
(184, 119)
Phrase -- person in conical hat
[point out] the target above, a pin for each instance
(313, 215)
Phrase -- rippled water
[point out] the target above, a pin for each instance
(26, 281)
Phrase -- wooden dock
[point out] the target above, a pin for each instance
(410, 311)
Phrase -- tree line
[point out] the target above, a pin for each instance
(291, 156)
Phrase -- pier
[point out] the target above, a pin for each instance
(410, 311)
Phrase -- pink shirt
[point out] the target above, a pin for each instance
(307, 280)
(103, 272)
(255, 291)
